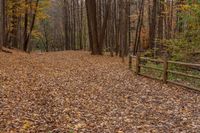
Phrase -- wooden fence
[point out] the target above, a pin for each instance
(165, 70)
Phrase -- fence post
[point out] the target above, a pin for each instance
(138, 64)
(165, 71)
(130, 62)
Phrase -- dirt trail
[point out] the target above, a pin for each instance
(76, 92)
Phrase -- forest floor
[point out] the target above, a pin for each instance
(76, 92)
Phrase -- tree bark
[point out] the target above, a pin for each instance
(3, 25)
(31, 28)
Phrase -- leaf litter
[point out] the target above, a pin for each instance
(75, 92)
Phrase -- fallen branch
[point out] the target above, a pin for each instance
(5, 51)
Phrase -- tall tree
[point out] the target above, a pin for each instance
(153, 24)
(3, 24)
(92, 25)
(27, 39)
(97, 36)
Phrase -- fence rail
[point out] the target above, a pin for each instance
(165, 70)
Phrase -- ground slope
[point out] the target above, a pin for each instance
(77, 92)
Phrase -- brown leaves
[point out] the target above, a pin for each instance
(77, 92)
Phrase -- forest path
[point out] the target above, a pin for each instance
(77, 92)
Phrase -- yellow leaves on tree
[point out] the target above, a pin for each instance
(17, 8)
(36, 34)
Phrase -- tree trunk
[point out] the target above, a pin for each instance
(91, 11)
(31, 28)
(3, 25)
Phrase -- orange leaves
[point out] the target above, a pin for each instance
(76, 92)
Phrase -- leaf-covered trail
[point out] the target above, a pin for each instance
(77, 92)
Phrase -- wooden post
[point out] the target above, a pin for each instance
(138, 64)
(165, 71)
(130, 62)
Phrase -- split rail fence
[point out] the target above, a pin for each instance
(165, 70)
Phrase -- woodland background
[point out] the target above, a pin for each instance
(156, 27)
